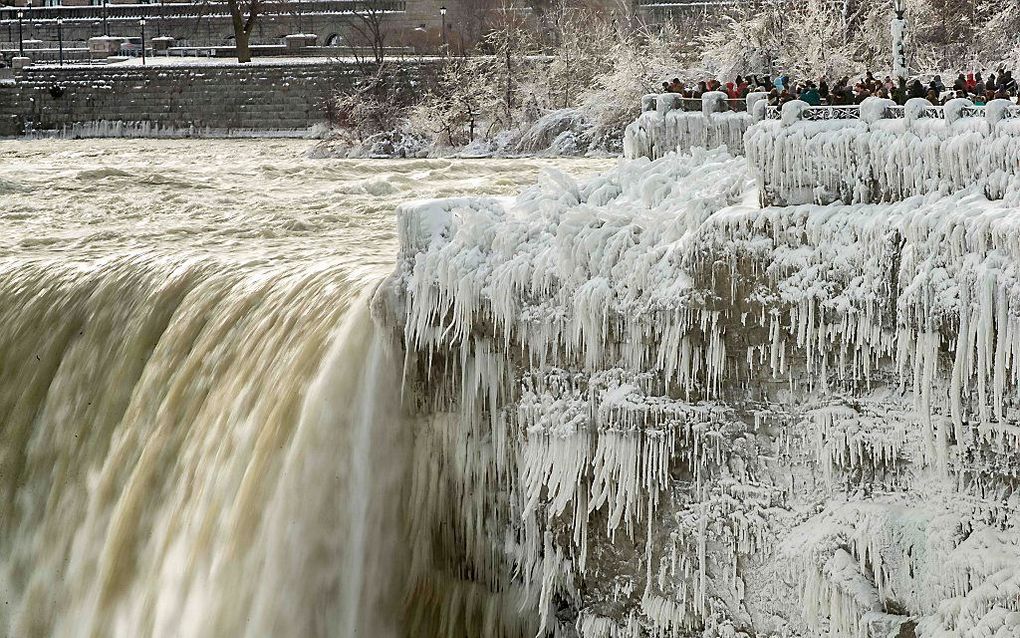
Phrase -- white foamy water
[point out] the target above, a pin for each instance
(201, 424)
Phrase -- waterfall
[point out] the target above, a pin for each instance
(193, 448)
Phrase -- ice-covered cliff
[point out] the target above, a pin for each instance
(651, 408)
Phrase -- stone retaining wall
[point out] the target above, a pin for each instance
(187, 99)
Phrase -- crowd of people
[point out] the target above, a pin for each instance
(781, 89)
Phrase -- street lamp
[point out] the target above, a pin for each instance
(442, 13)
(899, 49)
(142, 24)
(106, 31)
(21, 39)
(60, 39)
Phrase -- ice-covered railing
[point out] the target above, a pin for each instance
(671, 122)
(879, 152)
(853, 112)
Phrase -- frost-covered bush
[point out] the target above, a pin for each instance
(572, 94)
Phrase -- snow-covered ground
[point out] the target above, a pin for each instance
(659, 408)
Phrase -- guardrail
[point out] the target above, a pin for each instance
(677, 102)
(914, 109)
(8, 15)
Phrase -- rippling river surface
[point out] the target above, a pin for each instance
(199, 431)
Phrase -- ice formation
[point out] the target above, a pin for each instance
(662, 128)
(881, 158)
(656, 409)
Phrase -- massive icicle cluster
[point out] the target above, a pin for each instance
(875, 159)
(655, 409)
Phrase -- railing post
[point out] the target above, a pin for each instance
(996, 110)
(666, 102)
(713, 102)
(793, 112)
(873, 109)
(648, 102)
(756, 104)
(953, 109)
(914, 109)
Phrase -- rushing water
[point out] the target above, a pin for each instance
(201, 433)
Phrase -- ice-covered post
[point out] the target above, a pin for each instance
(666, 102)
(757, 112)
(899, 49)
(713, 102)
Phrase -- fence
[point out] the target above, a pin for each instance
(692, 104)
(670, 122)
(918, 108)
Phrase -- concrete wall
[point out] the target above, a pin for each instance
(286, 97)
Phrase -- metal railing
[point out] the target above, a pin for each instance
(816, 113)
(189, 10)
(694, 104)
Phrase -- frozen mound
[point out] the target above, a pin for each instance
(880, 159)
(563, 132)
(654, 409)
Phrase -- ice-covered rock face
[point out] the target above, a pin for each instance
(651, 407)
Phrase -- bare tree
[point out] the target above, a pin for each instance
(243, 15)
(478, 16)
(370, 28)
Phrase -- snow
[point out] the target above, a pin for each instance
(702, 415)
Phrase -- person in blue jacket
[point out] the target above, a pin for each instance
(810, 94)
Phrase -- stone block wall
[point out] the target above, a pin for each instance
(201, 99)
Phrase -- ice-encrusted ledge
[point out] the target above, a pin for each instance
(657, 409)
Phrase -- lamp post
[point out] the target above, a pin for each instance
(21, 38)
(141, 23)
(899, 49)
(60, 39)
(106, 31)
(442, 13)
